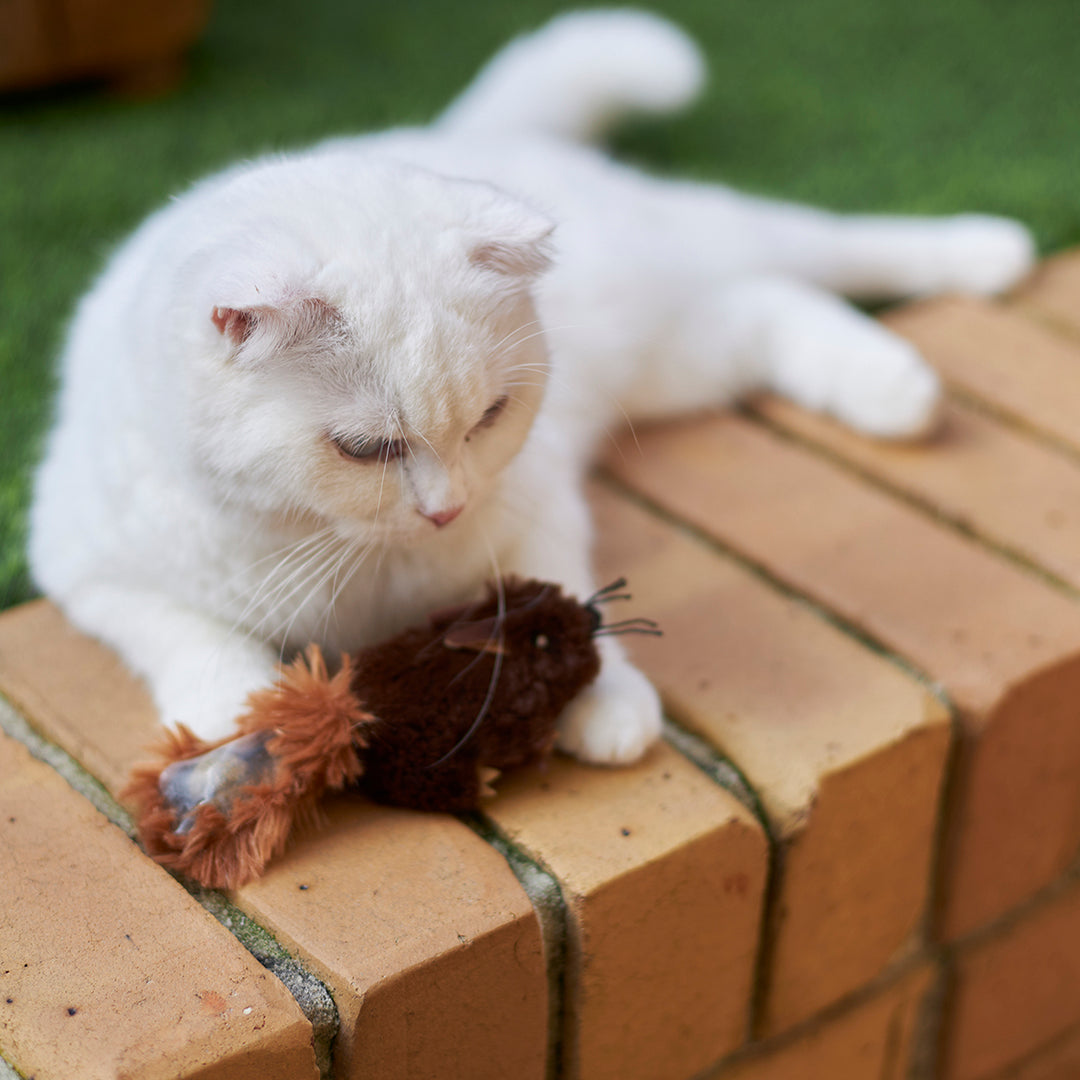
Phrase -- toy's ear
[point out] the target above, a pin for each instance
(481, 636)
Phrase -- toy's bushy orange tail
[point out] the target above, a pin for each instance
(300, 739)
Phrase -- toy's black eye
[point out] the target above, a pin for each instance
(357, 448)
(541, 641)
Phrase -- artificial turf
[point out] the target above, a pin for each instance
(911, 106)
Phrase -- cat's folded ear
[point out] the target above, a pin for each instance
(512, 239)
(236, 324)
(262, 329)
(259, 294)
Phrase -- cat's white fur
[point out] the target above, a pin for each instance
(192, 509)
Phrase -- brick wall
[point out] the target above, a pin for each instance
(852, 858)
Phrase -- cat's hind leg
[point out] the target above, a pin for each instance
(883, 257)
(769, 333)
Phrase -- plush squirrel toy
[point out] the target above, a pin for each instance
(426, 720)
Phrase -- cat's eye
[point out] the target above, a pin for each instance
(360, 449)
(491, 413)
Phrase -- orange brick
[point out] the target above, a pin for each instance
(878, 1037)
(1058, 1061)
(1053, 293)
(1005, 646)
(400, 907)
(663, 873)
(1013, 364)
(427, 941)
(76, 691)
(1016, 990)
(987, 477)
(845, 751)
(108, 968)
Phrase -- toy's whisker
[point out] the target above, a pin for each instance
(630, 622)
(645, 626)
(598, 596)
(496, 670)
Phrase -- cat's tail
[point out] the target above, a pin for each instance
(579, 75)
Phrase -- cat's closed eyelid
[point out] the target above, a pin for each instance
(492, 413)
(354, 448)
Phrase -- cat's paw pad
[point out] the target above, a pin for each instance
(614, 721)
(983, 255)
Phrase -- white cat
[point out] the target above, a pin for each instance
(319, 395)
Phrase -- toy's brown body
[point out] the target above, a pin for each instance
(424, 720)
(472, 692)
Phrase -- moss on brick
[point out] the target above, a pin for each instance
(546, 897)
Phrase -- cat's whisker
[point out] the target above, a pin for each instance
(379, 498)
(517, 344)
(563, 384)
(328, 570)
(499, 351)
(282, 554)
(351, 559)
(348, 556)
(517, 330)
(427, 442)
(273, 583)
(630, 427)
(408, 446)
(496, 669)
(299, 580)
(322, 544)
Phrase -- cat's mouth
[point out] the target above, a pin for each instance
(388, 532)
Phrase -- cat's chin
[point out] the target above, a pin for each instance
(393, 534)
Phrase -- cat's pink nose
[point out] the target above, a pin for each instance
(444, 517)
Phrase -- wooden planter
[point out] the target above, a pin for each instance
(135, 44)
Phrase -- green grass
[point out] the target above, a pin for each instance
(914, 106)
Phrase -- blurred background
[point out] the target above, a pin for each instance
(916, 106)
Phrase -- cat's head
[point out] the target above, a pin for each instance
(364, 347)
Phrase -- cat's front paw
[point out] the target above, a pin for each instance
(613, 721)
(982, 255)
(208, 699)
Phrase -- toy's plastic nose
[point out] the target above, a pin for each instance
(444, 517)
